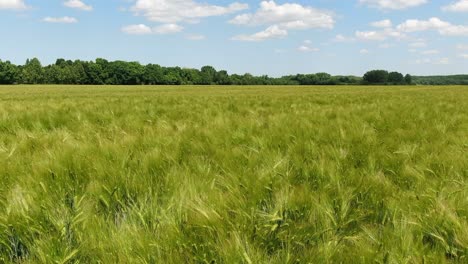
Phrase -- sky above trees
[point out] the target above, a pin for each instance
(261, 37)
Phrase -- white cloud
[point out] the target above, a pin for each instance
(286, 16)
(195, 37)
(269, 33)
(379, 35)
(167, 29)
(464, 56)
(462, 47)
(78, 4)
(441, 61)
(142, 29)
(434, 23)
(173, 11)
(137, 29)
(12, 4)
(423, 61)
(459, 6)
(304, 48)
(382, 24)
(364, 51)
(393, 4)
(281, 18)
(341, 38)
(62, 20)
(307, 47)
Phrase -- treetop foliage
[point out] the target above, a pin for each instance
(103, 72)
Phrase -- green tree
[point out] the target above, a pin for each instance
(222, 78)
(375, 77)
(396, 78)
(408, 79)
(8, 73)
(32, 72)
(208, 75)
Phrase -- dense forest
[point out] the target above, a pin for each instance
(441, 80)
(101, 72)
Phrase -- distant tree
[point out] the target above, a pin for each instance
(102, 71)
(153, 74)
(8, 73)
(324, 78)
(32, 72)
(191, 76)
(375, 77)
(222, 78)
(408, 79)
(208, 75)
(396, 78)
(125, 73)
(172, 77)
(94, 73)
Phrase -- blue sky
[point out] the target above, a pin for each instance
(261, 37)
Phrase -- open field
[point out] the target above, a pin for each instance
(233, 174)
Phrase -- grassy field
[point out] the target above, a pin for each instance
(233, 174)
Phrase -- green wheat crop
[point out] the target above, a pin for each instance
(233, 174)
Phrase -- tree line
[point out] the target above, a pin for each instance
(104, 72)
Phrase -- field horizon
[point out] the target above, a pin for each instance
(233, 174)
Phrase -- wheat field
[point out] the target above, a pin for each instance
(257, 174)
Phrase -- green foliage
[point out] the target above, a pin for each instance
(32, 72)
(235, 175)
(408, 79)
(101, 72)
(441, 80)
(396, 78)
(376, 77)
(8, 73)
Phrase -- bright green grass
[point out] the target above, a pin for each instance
(233, 174)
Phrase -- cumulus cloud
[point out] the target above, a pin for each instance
(379, 35)
(78, 4)
(13, 4)
(173, 11)
(286, 16)
(393, 4)
(459, 6)
(283, 17)
(61, 20)
(382, 24)
(142, 29)
(269, 33)
(167, 29)
(307, 47)
(409, 26)
(342, 38)
(434, 23)
(440, 61)
(139, 29)
(364, 51)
